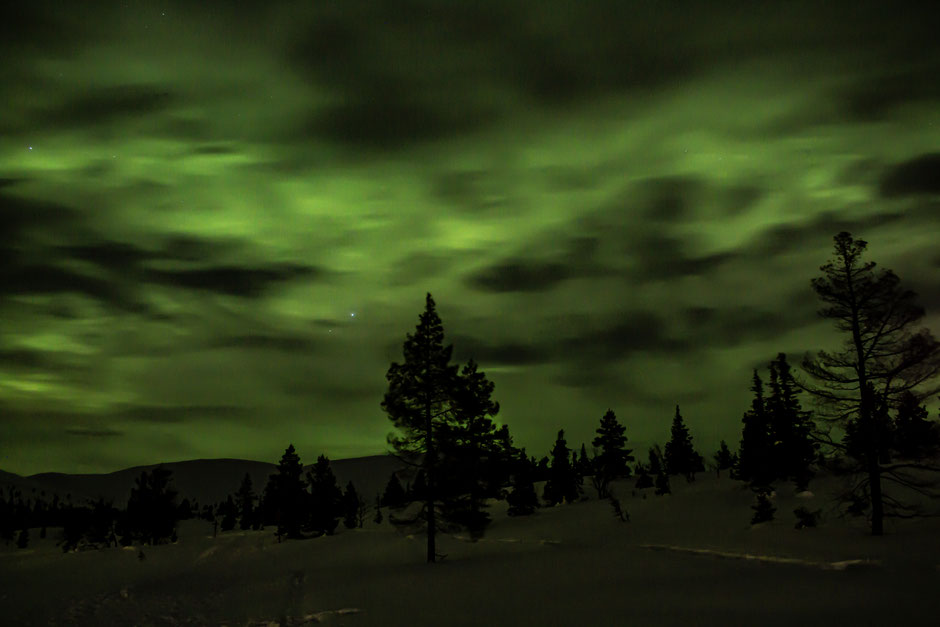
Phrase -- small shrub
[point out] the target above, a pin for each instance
(763, 509)
(619, 512)
(806, 518)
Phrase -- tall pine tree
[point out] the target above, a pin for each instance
(915, 437)
(246, 503)
(290, 496)
(522, 499)
(394, 495)
(754, 457)
(792, 450)
(419, 397)
(724, 458)
(471, 453)
(882, 356)
(350, 506)
(562, 484)
(611, 462)
(680, 456)
(326, 499)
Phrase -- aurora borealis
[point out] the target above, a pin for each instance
(218, 220)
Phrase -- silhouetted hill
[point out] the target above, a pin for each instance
(202, 480)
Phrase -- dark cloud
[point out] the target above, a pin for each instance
(214, 149)
(474, 191)
(920, 175)
(519, 276)
(232, 280)
(597, 52)
(660, 256)
(708, 327)
(283, 343)
(499, 353)
(64, 364)
(626, 333)
(108, 105)
(389, 119)
(95, 433)
(423, 70)
(877, 97)
(416, 266)
(39, 27)
(20, 217)
(10, 182)
(817, 232)
(163, 414)
(737, 199)
(668, 199)
(41, 278)
(194, 249)
(109, 255)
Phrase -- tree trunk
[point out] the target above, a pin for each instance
(429, 476)
(877, 506)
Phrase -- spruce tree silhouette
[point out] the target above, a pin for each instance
(724, 458)
(854, 439)
(185, 510)
(100, 523)
(229, 512)
(541, 469)
(585, 465)
(245, 501)
(394, 495)
(662, 482)
(522, 500)
(754, 458)
(611, 462)
(915, 437)
(419, 397)
(643, 478)
(474, 453)
(562, 484)
(655, 456)
(350, 506)
(151, 516)
(326, 499)
(418, 489)
(680, 456)
(763, 508)
(882, 357)
(792, 448)
(289, 495)
(378, 510)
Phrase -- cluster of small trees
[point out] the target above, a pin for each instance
(776, 439)
(298, 505)
(149, 518)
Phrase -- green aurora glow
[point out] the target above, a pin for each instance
(614, 204)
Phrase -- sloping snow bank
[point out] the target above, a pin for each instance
(839, 565)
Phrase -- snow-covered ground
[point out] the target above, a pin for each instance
(687, 559)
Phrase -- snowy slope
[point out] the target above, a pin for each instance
(568, 565)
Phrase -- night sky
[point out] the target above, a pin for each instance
(218, 220)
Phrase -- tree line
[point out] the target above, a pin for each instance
(868, 419)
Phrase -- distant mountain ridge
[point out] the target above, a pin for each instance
(202, 480)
